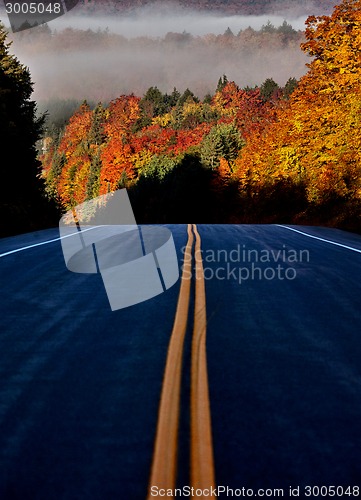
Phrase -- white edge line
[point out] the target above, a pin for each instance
(47, 242)
(321, 239)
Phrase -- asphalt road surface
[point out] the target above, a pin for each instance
(80, 385)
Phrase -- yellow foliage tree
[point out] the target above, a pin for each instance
(316, 138)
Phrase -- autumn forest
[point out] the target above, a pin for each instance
(242, 155)
(286, 151)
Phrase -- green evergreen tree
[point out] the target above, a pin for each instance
(290, 87)
(96, 139)
(211, 149)
(158, 167)
(57, 163)
(155, 101)
(223, 141)
(229, 32)
(96, 133)
(186, 96)
(286, 29)
(222, 82)
(172, 99)
(268, 28)
(22, 205)
(268, 89)
(93, 184)
(123, 180)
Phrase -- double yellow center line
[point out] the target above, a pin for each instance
(164, 465)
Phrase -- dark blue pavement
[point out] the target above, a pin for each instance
(285, 361)
(80, 385)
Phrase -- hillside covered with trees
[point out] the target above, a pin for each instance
(265, 154)
(166, 148)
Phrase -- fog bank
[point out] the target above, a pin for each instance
(100, 66)
(105, 75)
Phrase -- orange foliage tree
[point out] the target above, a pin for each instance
(74, 149)
(116, 156)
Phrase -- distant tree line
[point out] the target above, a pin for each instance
(43, 38)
